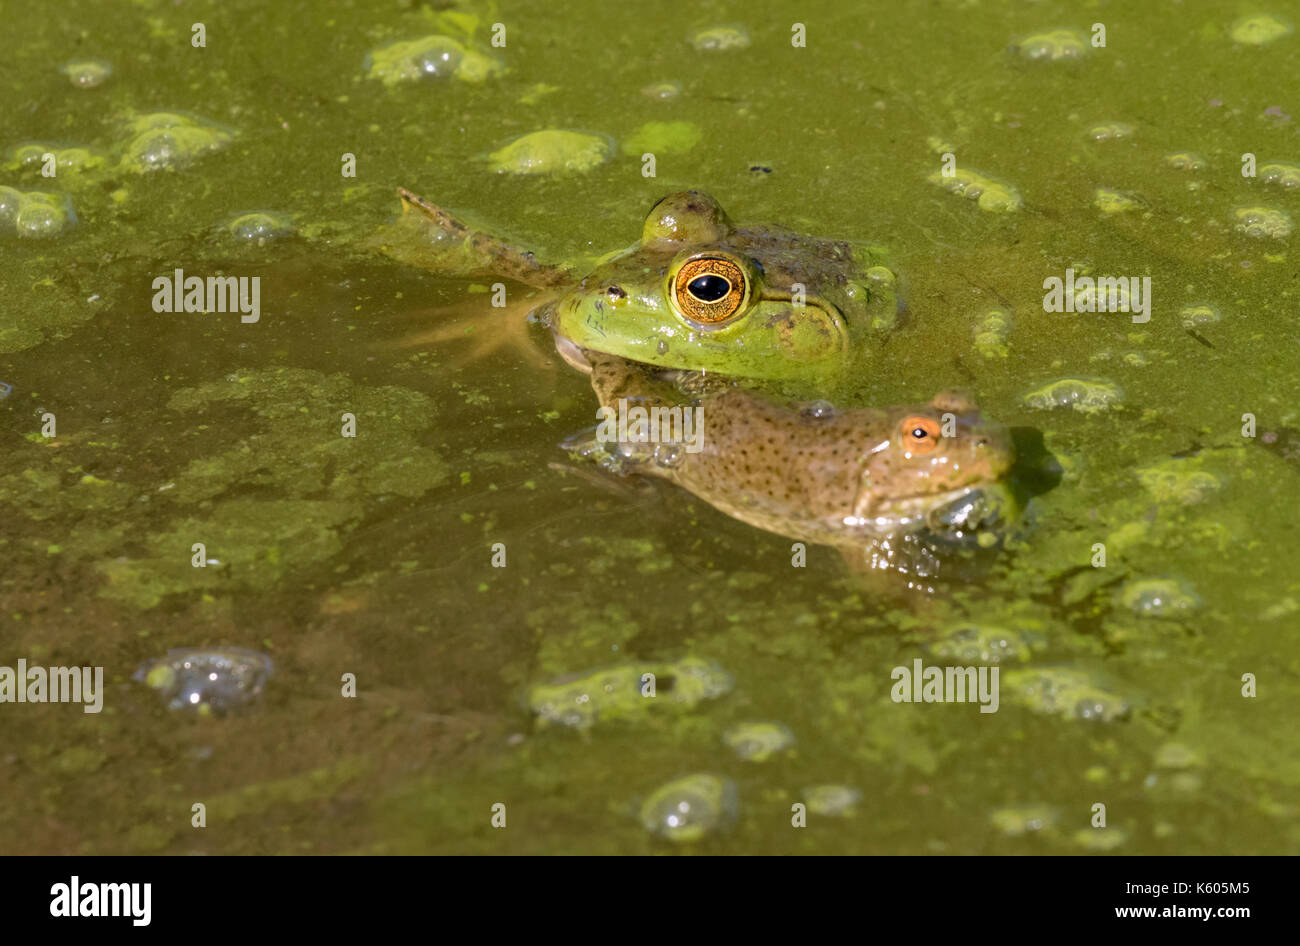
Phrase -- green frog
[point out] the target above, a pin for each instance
(701, 293)
(868, 481)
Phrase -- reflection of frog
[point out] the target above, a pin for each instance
(699, 293)
(848, 478)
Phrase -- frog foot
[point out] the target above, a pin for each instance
(487, 331)
(618, 458)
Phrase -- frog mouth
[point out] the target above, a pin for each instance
(571, 353)
(968, 510)
(954, 514)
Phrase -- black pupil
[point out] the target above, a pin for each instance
(919, 433)
(709, 288)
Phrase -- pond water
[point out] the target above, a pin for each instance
(1121, 685)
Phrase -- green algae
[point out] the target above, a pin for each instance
(1065, 692)
(627, 692)
(990, 332)
(87, 73)
(989, 195)
(430, 57)
(1258, 29)
(1059, 45)
(34, 215)
(1020, 820)
(832, 801)
(1184, 481)
(33, 157)
(668, 576)
(963, 642)
(730, 36)
(690, 808)
(172, 141)
(758, 741)
(1262, 222)
(316, 785)
(316, 485)
(1085, 395)
(551, 151)
(663, 138)
(1110, 201)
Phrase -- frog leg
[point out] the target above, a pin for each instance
(589, 446)
(615, 379)
(616, 382)
(498, 257)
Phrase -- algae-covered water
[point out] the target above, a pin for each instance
(1161, 684)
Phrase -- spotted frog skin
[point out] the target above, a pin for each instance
(835, 477)
(703, 294)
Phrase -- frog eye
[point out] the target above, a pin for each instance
(920, 434)
(709, 289)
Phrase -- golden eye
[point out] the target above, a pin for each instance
(920, 434)
(709, 289)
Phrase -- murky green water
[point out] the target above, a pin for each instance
(372, 556)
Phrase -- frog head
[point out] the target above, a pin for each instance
(700, 293)
(939, 466)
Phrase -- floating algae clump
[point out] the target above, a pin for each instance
(1088, 396)
(832, 801)
(626, 692)
(687, 809)
(982, 643)
(1110, 201)
(1020, 820)
(758, 742)
(248, 543)
(719, 38)
(87, 73)
(1259, 29)
(279, 499)
(31, 157)
(1111, 131)
(1262, 222)
(1185, 161)
(1179, 481)
(1053, 46)
(259, 227)
(34, 215)
(988, 194)
(1158, 598)
(429, 57)
(1286, 176)
(551, 151)
(296, 443)
(167, 140)
(208, 681)
(1199, 314)
(991, 330)
(663, 138)
(1059, 691)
